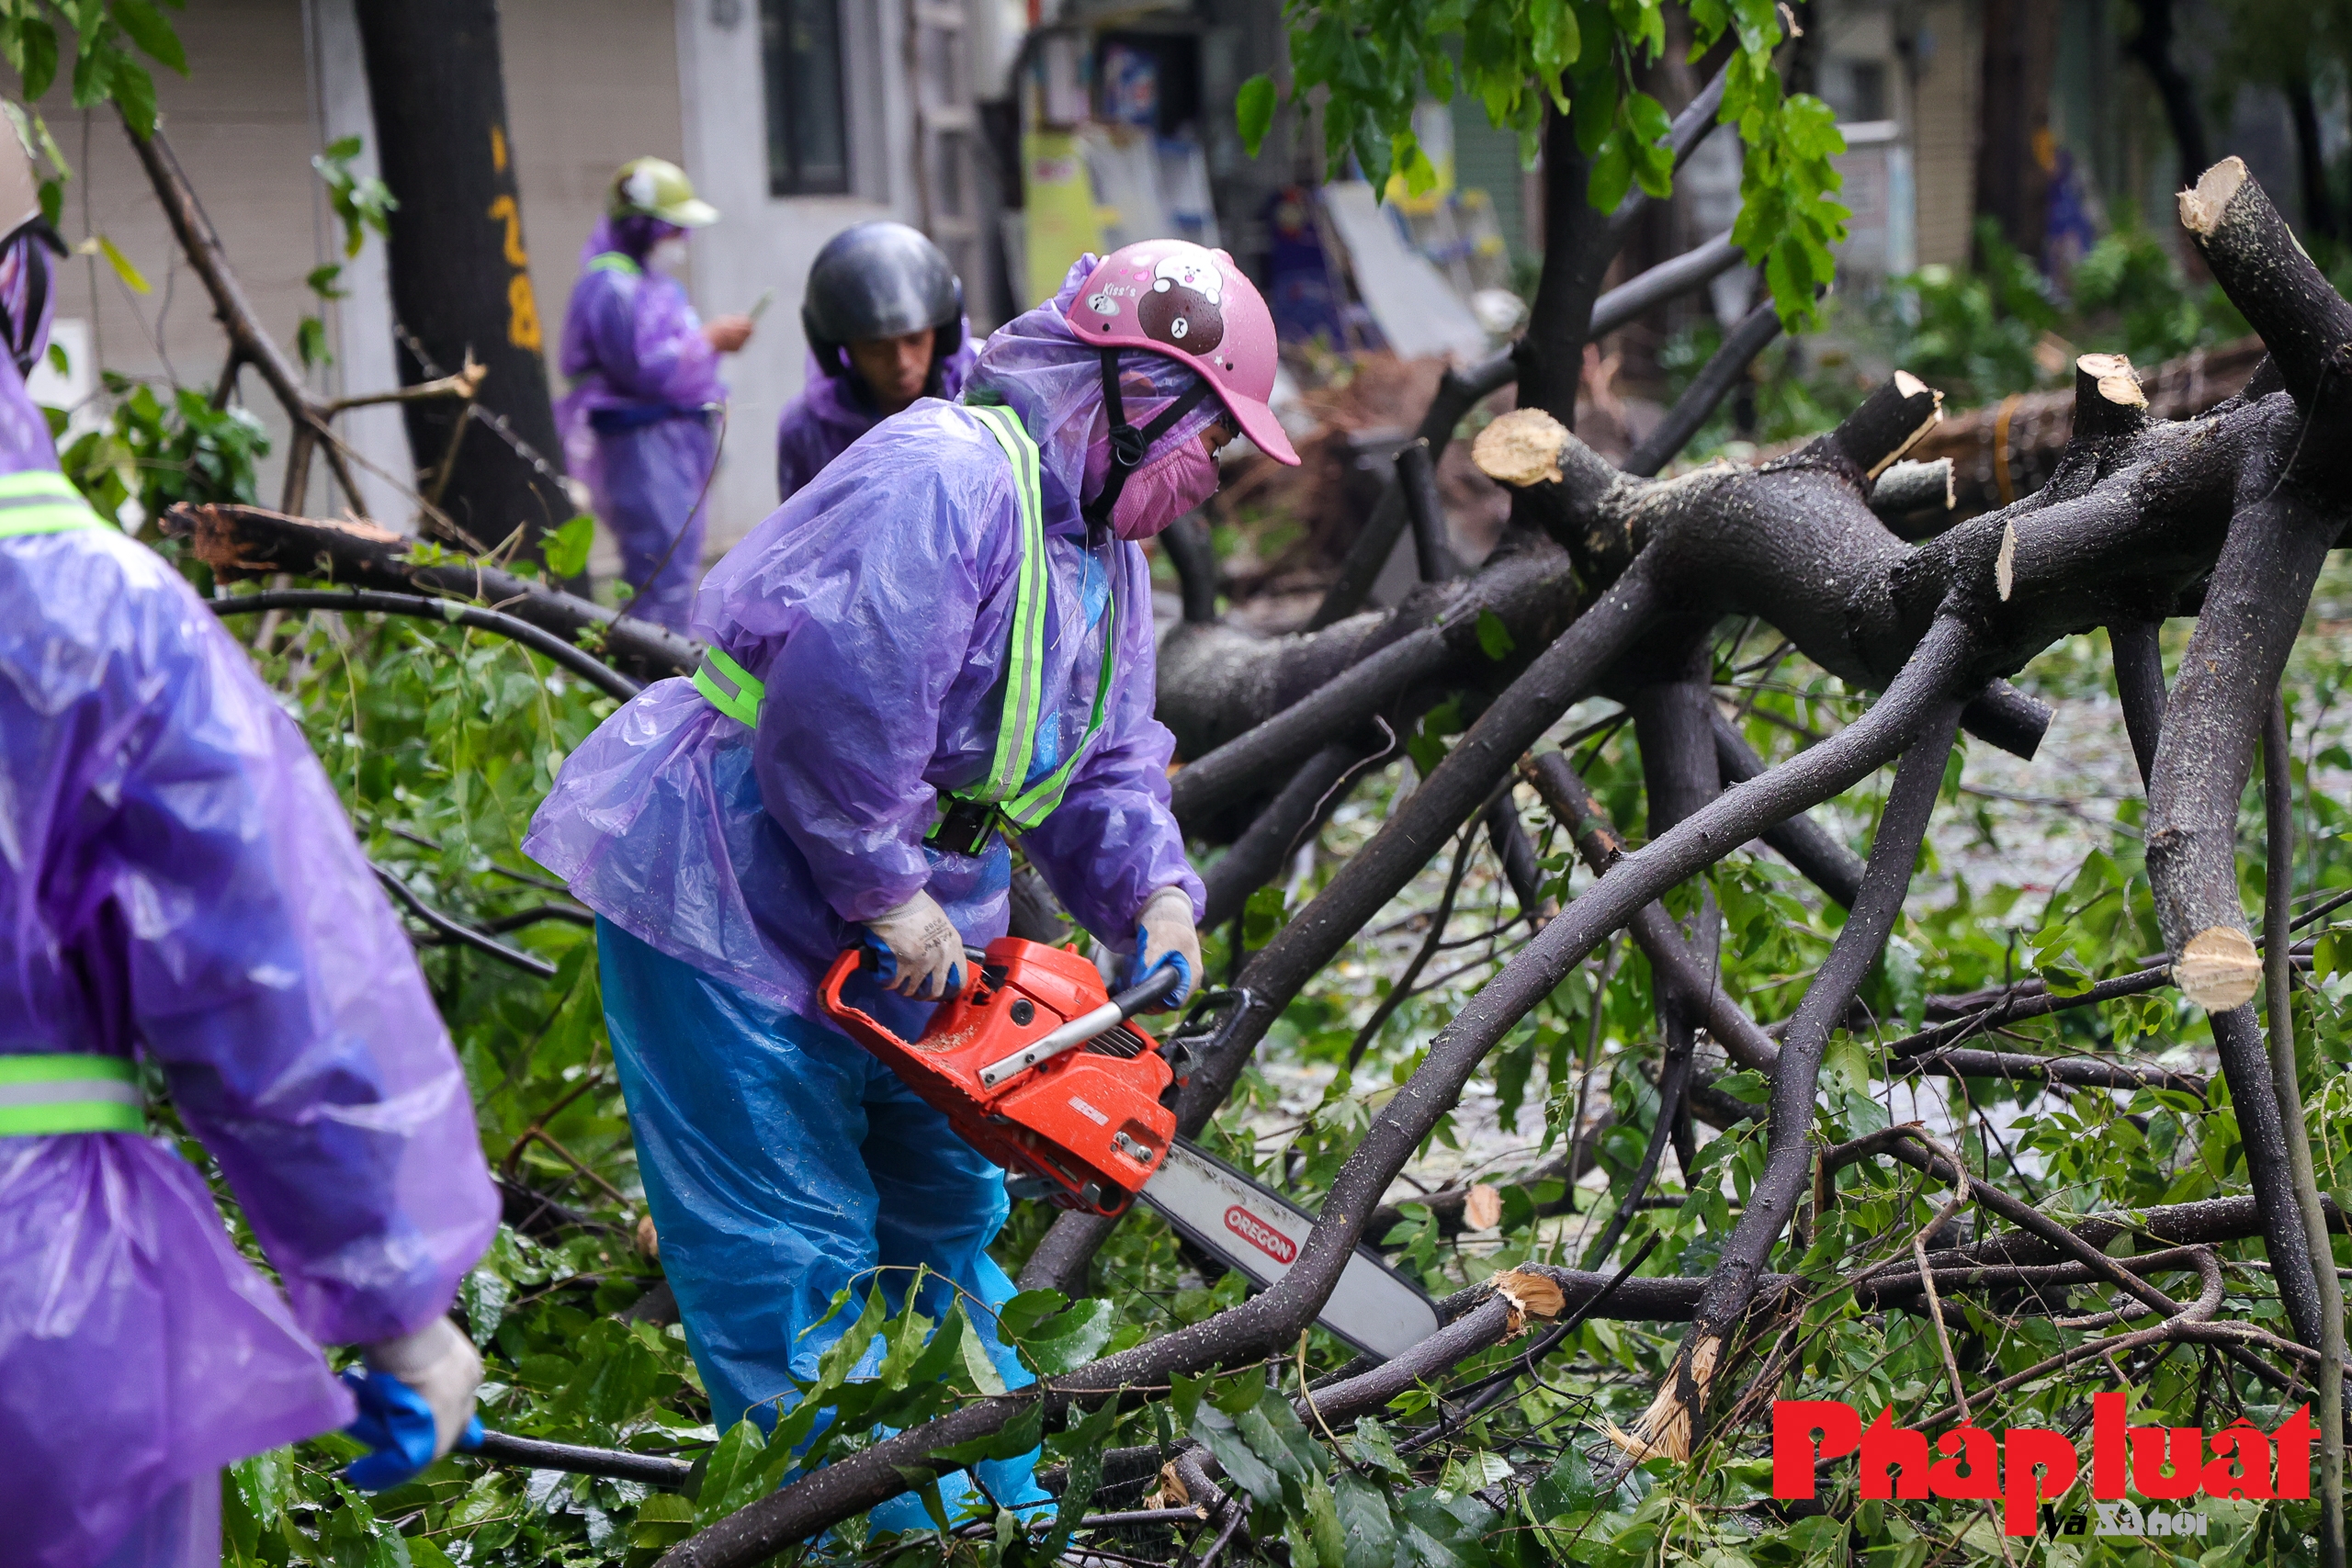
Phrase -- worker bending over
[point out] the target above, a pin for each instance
(945, 637)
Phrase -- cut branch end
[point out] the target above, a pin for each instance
(2202, 206)
(2219, 969)
(1521, 448)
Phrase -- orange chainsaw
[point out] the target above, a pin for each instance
(1037, 1067)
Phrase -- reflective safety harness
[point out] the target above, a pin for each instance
(614, 260)
(42, 501)
(1000, 800)
(40, 1095)
(45, 1094)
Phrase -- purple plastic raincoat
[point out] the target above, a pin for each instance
(831, 413)
(179, 879)
(876, 606)
(637, 424)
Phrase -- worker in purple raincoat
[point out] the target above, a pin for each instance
(884, 313)
(641, 421)
(844, 768)
(182, 895)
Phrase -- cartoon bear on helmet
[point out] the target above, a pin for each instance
(1183, 308)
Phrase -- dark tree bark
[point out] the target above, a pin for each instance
(1550, 356)
(460, 281)
(2152, 47)
(2013, 118)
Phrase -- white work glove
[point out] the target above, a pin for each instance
(1165, 936)
(923, 952)
(433, 1371)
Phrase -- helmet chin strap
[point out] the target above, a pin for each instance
(1129, 445)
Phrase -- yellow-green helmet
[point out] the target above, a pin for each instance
(655, 187)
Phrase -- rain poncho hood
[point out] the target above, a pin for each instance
(833, 412)
(636, 423)
(180, 883)
(876, 605)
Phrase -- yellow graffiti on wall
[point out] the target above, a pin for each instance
(521, 305)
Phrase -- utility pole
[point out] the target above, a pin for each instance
(461, 278)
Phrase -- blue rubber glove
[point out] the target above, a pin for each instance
(396, 1422)
(416, 1402)
(1165, 939)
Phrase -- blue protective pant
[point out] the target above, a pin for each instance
(784, 1162)
(653, 477)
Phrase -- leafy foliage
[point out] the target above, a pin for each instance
(2006, 328)
(106, 39)
(159, 450)
(360, 203)
(1375, 60)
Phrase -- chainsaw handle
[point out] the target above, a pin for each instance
(829, 991)
(1156, 984)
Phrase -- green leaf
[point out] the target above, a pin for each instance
(322, 281)
(1253, 111)
(1026, 1311)
(1371, 1445)
(1368, 1535)
(147, 28)
(1018, 1436)
(565, 549)
(1494, 638)
(1566, 1488)
(730, 1477)
(34, 54)
(131, 277)
(1265, 914)
(1089, 1443)
(310, 342)
(1184, 1398)
(1073, 1338)
(1241, 1464)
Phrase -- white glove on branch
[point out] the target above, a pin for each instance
(926, 949)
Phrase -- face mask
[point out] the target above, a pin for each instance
(1164, 490)
(670, 255)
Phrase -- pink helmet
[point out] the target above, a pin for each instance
(1192, 304)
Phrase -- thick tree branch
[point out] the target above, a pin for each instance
(1672, 1425)
(248, 541)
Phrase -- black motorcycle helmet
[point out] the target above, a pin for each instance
(881, 279)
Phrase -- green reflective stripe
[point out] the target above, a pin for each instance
(42, 501)
(737, 693)
(45, 484)
(1025, 664)
(47, 518)
(49, 1094)
(14, 1070)
(613, 261)
(733, 690)
(1036, 802)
